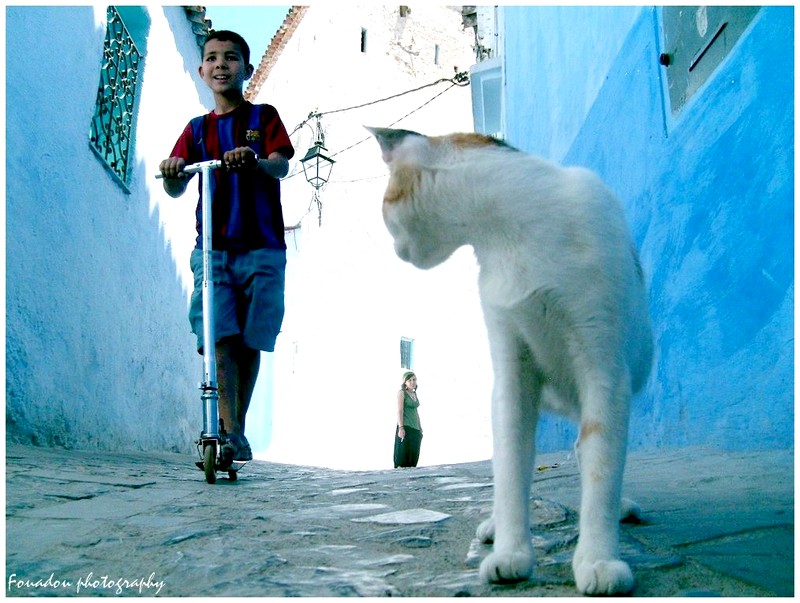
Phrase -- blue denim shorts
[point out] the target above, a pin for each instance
(248, 296)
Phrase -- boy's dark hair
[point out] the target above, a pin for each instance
(224, 35)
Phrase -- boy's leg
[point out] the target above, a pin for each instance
(249, 362)
(227, 385)
(237, 370)
(257, 310)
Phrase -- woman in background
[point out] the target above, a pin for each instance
(408, 435)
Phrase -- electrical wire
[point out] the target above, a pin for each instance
(429, 101)
(460, 79)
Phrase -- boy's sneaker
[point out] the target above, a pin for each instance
(240, 448)
(226, 454)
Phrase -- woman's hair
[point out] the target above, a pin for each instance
(406, 376)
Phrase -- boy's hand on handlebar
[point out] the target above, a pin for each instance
(240, 158)
(172, 168)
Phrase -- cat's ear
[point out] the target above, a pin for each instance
(389, 139)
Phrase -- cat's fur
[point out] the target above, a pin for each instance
(565, 305)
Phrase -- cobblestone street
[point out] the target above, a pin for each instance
(98, 523)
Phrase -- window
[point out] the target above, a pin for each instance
(111, 130)
(363, 40)
(696, 40)
(487, 97)
(406, 353)
(487, 81)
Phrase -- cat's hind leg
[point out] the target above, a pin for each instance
(514, 416)
(602, 445)
(485, 531)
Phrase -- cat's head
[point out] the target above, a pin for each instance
(410, 211)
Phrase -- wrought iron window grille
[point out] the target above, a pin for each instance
(111, 129)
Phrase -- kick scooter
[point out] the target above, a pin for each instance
(213, 437)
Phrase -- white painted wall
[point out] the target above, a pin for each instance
(99, 350)
(349, 299)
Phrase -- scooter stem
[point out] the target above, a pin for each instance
(210, 396)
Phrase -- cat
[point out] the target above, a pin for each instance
(565, 305)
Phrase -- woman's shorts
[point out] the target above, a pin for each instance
(248, 296)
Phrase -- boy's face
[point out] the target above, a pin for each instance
(223, 68)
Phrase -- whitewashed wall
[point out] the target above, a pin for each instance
(99, 350)
(349, 299)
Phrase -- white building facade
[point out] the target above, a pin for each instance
(350, 301)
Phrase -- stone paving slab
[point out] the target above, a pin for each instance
(98, 523)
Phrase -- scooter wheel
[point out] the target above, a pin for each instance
(233, 475)
(209, 460)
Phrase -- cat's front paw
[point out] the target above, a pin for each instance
(485, 531)
(514, 566)
(611, 577)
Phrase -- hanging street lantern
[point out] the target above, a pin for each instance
(317, 166)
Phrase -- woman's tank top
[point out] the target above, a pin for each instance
(410, 414)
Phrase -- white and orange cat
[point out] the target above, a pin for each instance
(565, 306)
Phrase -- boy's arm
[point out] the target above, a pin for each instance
(175, 187)
(278, 147)
(175, 179)
(276, 165)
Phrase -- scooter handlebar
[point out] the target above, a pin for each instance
(193, 168)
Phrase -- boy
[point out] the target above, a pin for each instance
(249, 256)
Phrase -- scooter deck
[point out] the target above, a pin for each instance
(234, 466)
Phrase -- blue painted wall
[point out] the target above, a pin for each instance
(709, 195)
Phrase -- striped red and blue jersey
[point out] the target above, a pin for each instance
(246, 206)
